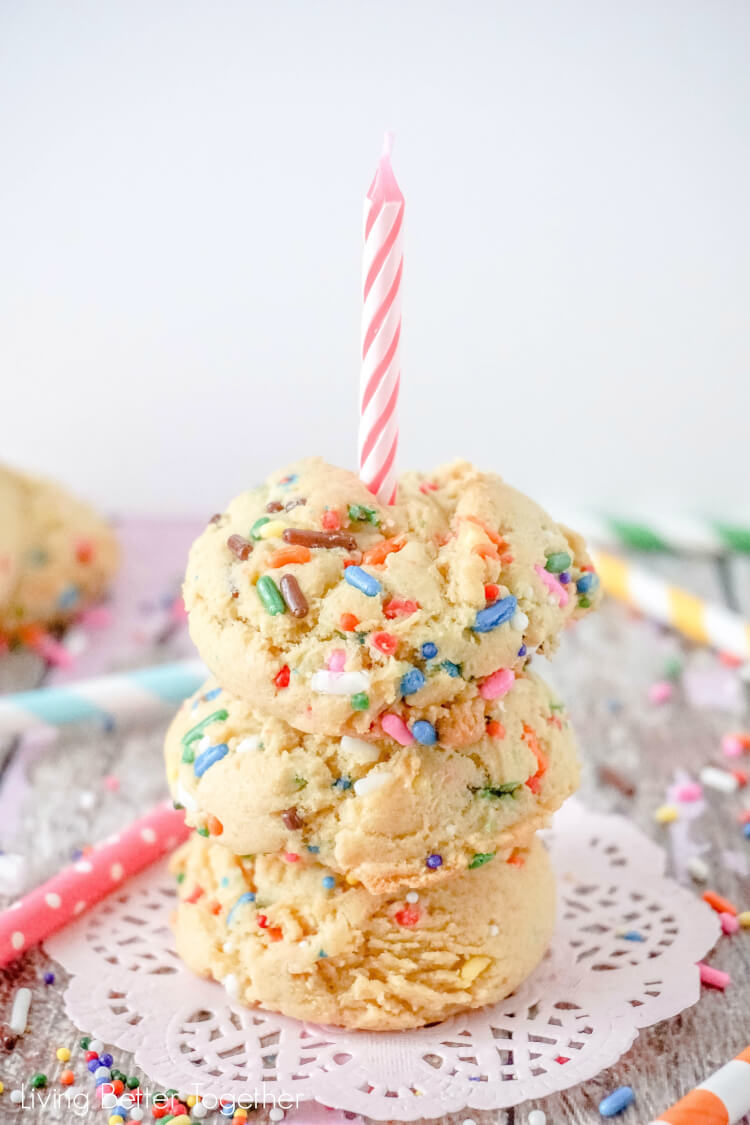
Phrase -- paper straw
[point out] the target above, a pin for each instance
(723, 1099)
(138, 693)
(700, 620)
(667, 532)
(79, 886)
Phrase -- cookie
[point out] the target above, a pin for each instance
(296, 939)
(372, 810)
(66, 556)
(322, 607)
(11, 524)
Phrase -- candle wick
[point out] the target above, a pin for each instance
(388, 140)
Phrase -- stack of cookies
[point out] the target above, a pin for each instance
(367, 772)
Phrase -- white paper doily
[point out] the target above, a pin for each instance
(584, 1004)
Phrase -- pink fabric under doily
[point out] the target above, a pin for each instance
(623, 957)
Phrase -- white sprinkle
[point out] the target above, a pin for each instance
(519, 620)
(252, 742)
(339, 683)
(117, 871)
(364, 751)
(187, 800)
(148, 835)
(126, 1101)
(371, 783)
(227, 947)
(96, 1045)
(468, 1121)
(231, 984)
(698, 869)
(79, 907)
(204, 743)
(109, 1101)
(412, 897)
(137, 1114)
(537, 1117)
(86, 800)
(16, 1096)
(20, 1011)
(494, 930)
(53, 900)
(17, 939)
(275, 1114)
(717, 779)
(83, 867)
(198, 1111)
(12, 874)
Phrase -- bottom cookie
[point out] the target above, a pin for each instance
(294, 938)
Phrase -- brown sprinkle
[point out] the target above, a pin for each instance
(293, 596)
(274, 506)
(291, 819)
(215, 518)
(241, 548)
(609, 776)
(305, 538)
(294, 503)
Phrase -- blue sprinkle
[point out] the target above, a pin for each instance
(617, 1101)
(412, 681)
(342, 783)
(746, 830)
(228, 1109)
(328, 882)
(424, 732)
(313, 848)
(102, 1072)
(429, 650)
(106, 1060)
(564, 577)
(212, 694)
(434, 861)
(49, 978)
(452, 669)
(209, 758)
(69, 597)
(361, 580)
(322, 953)
(241, 901)
(289, 479)
(522, 650)
(225, 881)
(496, 614)
(588, 581)
(632, 935)
(93, 1065)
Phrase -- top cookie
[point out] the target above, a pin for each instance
(320, 606)
(61, 555)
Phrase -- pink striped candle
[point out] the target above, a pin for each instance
(381, 330)
(79, 886)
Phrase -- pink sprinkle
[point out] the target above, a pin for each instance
(111, 782)
(53, 652)
(729, 924)
(713, 978)
(690, 791)
(553, 585)
(660, 692)
(291, 857)
(177, 609)
(397, 729)
(732, 746)
(497, 685)
(98, 617)
(336, 660)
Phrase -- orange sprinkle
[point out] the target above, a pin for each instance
(486, 551)
(719, 904)
(531, 740)
(331, 520)
(215, 907)
(516, 858)
(67, 1078)
(275, 933)
(376, 556)
(31, 635)
(492, 535)
(491, 592)
(195, 895)
(495, 729)
(348, 622)
(214, 825)
(284, 556)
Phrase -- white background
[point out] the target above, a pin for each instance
(180, 223)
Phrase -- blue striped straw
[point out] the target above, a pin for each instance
(138, 693)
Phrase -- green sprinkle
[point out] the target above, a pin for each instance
(508, 788)
(180, 876)
(133, 1083)
(196, 731)
(584, 602)
(299, 782)
(188, 754)
(202, 831)
(360, 701)
(268, 592)
(557, 706)
(673, 668)
(84, 1043)
(38, 1080)
(558, 561)
(171, 1093)
(358, 513)
(480, 858)
(255, 529)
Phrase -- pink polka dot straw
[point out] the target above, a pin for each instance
(79, 886)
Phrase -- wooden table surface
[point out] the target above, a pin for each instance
(604, 669)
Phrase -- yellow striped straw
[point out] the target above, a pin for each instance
(700, 620)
